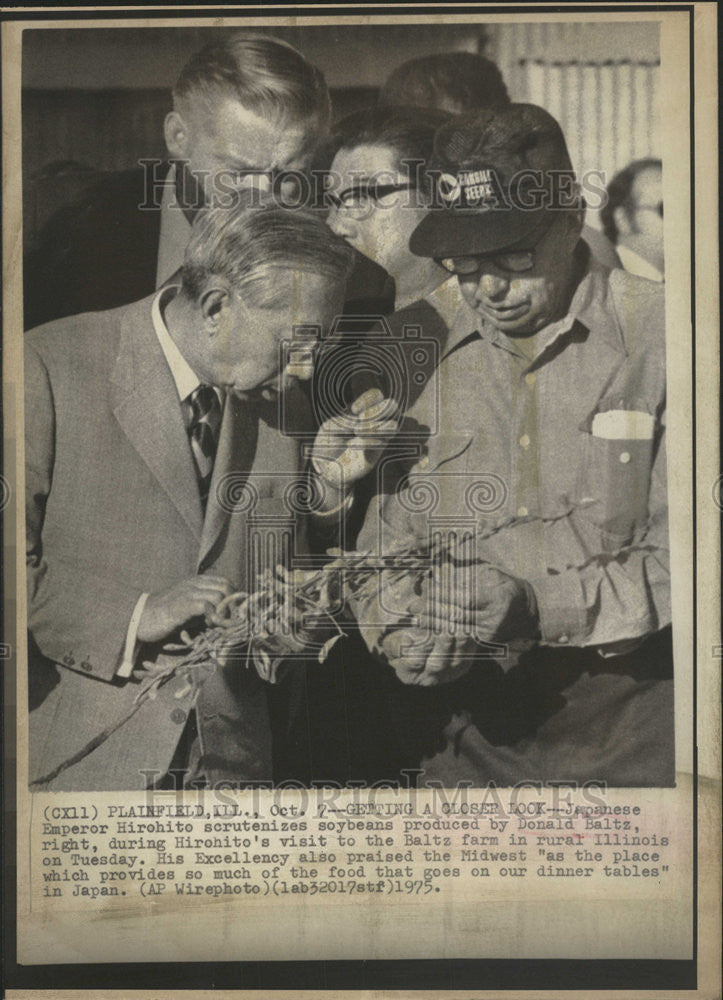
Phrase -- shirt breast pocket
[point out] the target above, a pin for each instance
(614, 485)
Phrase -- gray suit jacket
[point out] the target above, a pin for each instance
(113, 510)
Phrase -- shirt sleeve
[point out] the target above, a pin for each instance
(130, 650)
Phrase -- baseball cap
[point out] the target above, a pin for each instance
(502, 175)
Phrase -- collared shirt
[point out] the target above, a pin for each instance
(175, 232)
(183, 375)
(558, 459)
(635, 264)
(185, 378)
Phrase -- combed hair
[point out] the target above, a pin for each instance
(407, 132)
(453, 81)
(619, 192)
(256, 244)
(263, 73)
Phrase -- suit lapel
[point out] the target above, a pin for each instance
(234, 459)
(146, 405)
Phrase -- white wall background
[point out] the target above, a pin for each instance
(601, 82)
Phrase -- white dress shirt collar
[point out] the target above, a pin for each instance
(635, 264)
(183, 375)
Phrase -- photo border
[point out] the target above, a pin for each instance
(460, 974)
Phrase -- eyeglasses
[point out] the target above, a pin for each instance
(358, 199)
(515, 262)
(657, 207)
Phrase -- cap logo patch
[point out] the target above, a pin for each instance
(471, 188)
(449, 188)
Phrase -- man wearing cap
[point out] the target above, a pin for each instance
(532, 634)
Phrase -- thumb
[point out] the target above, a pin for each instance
(404, 644)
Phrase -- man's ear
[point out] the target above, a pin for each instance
(573, 223)
(175, 130)
(213, 304)
(621, 220)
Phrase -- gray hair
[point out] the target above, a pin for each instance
(256, 243)
(266, 75)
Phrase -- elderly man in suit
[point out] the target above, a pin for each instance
(137, 419)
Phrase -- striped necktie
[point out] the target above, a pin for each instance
(203, 428)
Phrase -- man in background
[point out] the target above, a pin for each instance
(451, 81)
(633, 218)
(244, 109)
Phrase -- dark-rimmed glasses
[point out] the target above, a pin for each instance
(514, 262)
(359, 198)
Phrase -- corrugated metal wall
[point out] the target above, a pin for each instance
(604, 96)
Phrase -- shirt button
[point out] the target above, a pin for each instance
(530, 378)
(522, 512)
(625, 457)
(525, 441)
(178, 715)
(69, 660)
(87, 666)
(564, 638)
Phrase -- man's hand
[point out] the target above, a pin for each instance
(498, 607)
(448, 627)
(349, 446)
(168, 609)
(417, 658)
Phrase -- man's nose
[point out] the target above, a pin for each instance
(492, 286)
